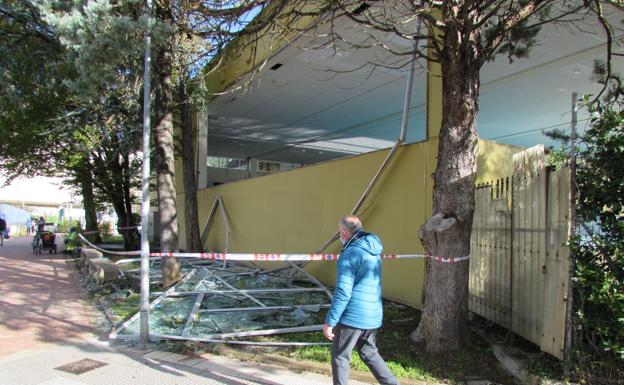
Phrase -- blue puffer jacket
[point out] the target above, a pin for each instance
(357, 297)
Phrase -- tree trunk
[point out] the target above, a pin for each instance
(120, 209)
(111, 176)
(128, 231)
(88, 202)
(163, 133)
(444, 324)
(193, 242)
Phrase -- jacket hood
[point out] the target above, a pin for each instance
(368, 242)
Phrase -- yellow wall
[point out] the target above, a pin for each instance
(494, 160)
(297, 211)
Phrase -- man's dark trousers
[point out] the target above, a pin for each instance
(345, 339)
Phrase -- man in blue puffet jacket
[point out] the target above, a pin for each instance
(356, 311)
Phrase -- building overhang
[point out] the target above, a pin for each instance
(311, 98)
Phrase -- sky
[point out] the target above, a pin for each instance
(37, 189)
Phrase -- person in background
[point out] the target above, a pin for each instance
(3, 227)
(356, 310)
(40, 225)
(28, 225)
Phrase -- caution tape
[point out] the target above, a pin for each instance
(123, 253)
(128, 227)
(295, 257)
(272, 257)
(448, 259)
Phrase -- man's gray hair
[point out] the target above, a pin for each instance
(351, 223)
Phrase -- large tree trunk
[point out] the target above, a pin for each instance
(88, 201)
(444, 325)
(165, 157)
(193, 242)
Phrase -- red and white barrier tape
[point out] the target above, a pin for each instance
(128, 227)
(273, 257)
(294, 257)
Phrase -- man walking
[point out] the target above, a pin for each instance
(356, 311)
(2, 230)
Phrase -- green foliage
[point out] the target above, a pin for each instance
(518, 41)
(405, 358)
(545, 367)
(103, 40)
(557, 159)
(112, 239)
(105, 228)
(65, 225)
(70, 95)
(599, 244)
(51, 218)
(124, 308)
(32, 93)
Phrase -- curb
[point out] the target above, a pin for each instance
(267, 359)
(308, 366)
(89, 306)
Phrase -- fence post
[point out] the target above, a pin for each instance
(570, 296)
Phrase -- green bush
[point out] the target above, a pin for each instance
(64, 226)
(105, 228)
(598, 247)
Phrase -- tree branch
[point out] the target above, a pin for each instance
(607, 28)
(516, 18)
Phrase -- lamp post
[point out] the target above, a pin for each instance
(144, 305)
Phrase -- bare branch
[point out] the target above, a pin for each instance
(420, 11)
(559, 18)
(607, 28)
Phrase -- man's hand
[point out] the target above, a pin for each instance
(329, 332)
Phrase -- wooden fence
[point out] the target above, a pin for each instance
(519, 263)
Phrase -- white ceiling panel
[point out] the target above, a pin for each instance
(324, 101)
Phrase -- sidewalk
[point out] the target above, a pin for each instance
(40, 304)
(46, 337)
(127, 366)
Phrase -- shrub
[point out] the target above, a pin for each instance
(105, 228)
(598, 247)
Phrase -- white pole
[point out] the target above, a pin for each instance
(569, 335)
(145, 199)
(408, 88)
(408, 97)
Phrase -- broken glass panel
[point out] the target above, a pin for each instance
(217, 301)
(212, 324)
(167, 317)
(226, 300)
(292, 298)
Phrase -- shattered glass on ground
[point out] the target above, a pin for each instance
(217, 301)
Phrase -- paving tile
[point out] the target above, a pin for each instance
(156, 355)
(173, 357)
(206, 365)
(61, 381)
(191, 361)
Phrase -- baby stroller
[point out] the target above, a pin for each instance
(45, 240)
